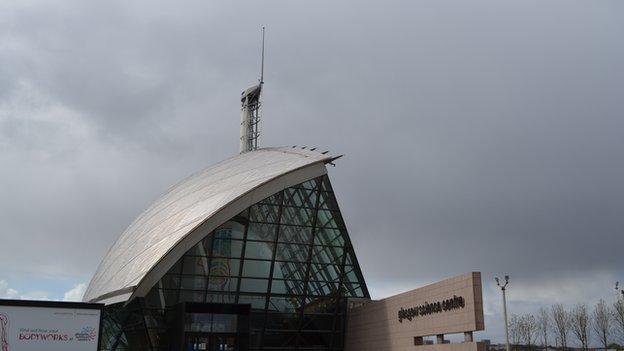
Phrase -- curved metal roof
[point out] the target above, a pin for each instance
(161, 234)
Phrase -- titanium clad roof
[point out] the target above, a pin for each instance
(185, 206)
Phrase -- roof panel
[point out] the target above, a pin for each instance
(185, 206)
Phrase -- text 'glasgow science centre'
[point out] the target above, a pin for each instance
(427, 308)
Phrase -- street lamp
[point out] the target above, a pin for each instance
(503, 289)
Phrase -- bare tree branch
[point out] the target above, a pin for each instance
(618, 316)
(515, 330)
(561, 319)
(580, 324)
(528, 329)
(602, 322)
(543, 325)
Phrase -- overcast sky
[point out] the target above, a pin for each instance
(478, 135)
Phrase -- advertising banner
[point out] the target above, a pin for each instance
(37, 328)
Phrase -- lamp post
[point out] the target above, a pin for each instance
(503, 289)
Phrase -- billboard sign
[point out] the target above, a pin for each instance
(49, 326)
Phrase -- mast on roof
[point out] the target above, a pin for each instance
(251, 111)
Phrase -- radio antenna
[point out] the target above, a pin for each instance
(251, 111)
(262, 61)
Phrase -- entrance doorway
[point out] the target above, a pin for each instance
(209, 327)
(210, 342)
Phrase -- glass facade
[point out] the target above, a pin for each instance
(288, 256)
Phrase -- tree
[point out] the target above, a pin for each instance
(561, 319)
(543, 325)
(515, 330)
(618, 315)
(602, 322)
(581, 324)
(528, 329)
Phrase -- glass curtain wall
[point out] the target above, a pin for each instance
(288, 256)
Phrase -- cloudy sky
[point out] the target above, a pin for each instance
(478, 135)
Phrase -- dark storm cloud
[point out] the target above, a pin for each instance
(480, 135)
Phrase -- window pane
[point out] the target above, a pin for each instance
(257, 269)
(300, 198)
(294, 234)
(297, 216)
(273, 199)
(202, 248)
(224, 266)
(322, 288)
(354, 290)
(292, 252)
(329, 219)
(292, 287)
(321, 272)
(328, 237)
(261, 231)
(229, 230)
(328, 202)
(352, 277)
(329, 254)
(290, 270)
(222, 283)
(349, 260)
(264, 213)
(326, 185)
(254, 285)
(310, 184)
(226, 248)
(259, 250)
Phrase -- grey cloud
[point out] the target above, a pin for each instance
(478, 136)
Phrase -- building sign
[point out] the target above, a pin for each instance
(430, 308)
(397, 323)
(28, 326)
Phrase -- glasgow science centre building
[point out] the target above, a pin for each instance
(250, 254)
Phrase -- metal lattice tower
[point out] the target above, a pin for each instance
(251, 111)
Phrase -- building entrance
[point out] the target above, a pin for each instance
(210, 342)
(210, 327)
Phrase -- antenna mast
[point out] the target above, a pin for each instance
(251, 111)
(262, 61)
